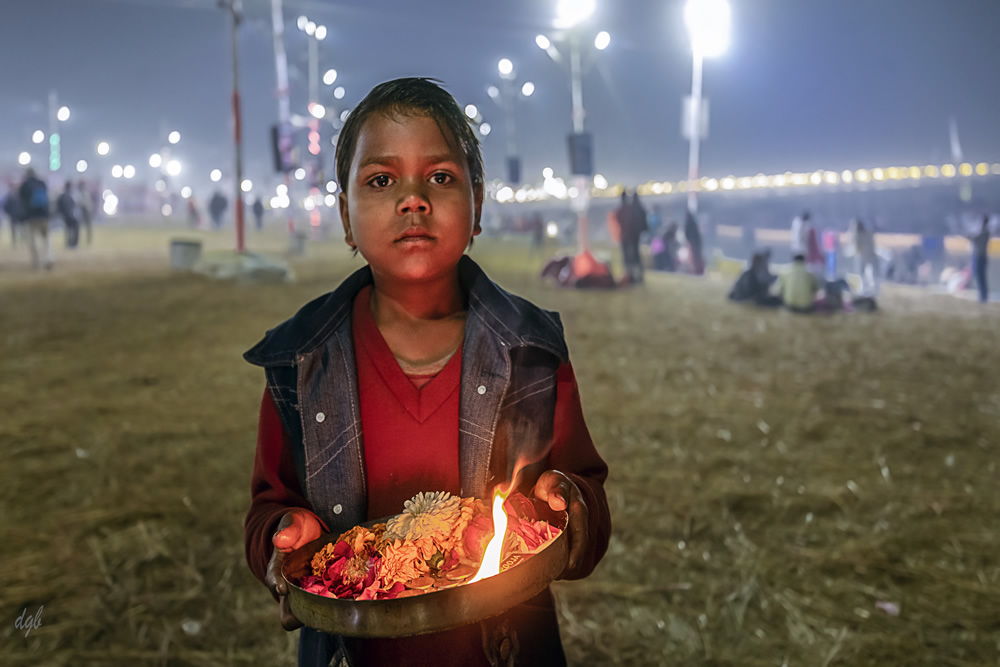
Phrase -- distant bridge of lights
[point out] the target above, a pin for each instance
(555, 188)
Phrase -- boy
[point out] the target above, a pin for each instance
(798, 287)
(417, 374)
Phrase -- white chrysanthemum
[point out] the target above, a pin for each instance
(428, 514)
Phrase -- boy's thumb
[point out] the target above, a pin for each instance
(287, 537)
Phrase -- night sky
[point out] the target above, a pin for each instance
(806, 84)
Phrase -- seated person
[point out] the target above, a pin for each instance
(664, 247)
(798, 287)
(754, 284)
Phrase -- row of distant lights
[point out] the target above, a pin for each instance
(282, 200)
(879, 174)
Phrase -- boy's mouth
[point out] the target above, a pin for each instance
(415, 234)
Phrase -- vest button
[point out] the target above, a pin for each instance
(482, 389)
(337, 509)
(320, 417)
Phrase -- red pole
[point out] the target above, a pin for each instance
(234, 6)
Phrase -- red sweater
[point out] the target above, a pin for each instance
(424, 416)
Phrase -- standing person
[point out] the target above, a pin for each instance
(34, 194)
(632, 221)
(216, 207)
(980, 259)
(84, 208)
(258, 213)
(447, 379)
(66, 206)
(693, 236)
(799, 241)
(194, 215)
(865, 257)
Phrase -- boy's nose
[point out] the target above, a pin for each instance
(414, 201)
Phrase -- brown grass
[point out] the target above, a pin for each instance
(772, 477)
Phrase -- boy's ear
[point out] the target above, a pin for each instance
(345, 219)
(477, 198)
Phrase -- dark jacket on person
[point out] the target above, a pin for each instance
(510, 355)
(66, 206)
(34, 196)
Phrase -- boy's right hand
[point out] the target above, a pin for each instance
(296, 528)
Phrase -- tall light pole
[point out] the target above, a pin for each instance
(708, 24)
(506, 99)
(571, 14)
(316, 34)
(284, 109)
(235, 8)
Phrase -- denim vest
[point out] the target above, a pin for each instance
(511, 352)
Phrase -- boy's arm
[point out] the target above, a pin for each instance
(274, 488)
(574, 454)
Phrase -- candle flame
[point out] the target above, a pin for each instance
(491, 557)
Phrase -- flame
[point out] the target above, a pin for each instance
(491, 557)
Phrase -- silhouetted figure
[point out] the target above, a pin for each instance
(632, 223)
(980, 259)
(693, 236)
(216, 207)
(258, 213)
(865, 257)
(66, 206)
(34, 195)
(664, 247)
(85, 209)
(754, 284)
(12, 210)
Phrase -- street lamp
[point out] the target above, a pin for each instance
(571, 14)
(506, 97)
(708, 24)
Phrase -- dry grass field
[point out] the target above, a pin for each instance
(786, 490)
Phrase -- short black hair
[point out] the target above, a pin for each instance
(407, 96)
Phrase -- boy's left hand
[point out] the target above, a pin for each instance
(561, 493)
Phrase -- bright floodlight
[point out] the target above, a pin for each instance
(103, 148)
(310, 28)
(216, 175)
(81, 166)
(708, 24)
(128, 171)
(527, 89)
(300, 174)
(317, 110)
(174, 167)
(471, 111)
(493, 92)
(571, 12)
(505, 66)
(24, 158)
(186, 192)
(301, 22)
(155, 160)
(543, 42)
(485, 129)
(246, 185)
(174, 137)
(110, 205)
(602, 40)
(331, 186)
(330, 77)
(339, 92)
(63, 113)
(321, 32)
(37, 137)
(116, 171)
(600, 182)
(547, 172)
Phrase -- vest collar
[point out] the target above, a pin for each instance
(515, 321)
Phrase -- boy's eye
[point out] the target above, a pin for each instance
(441, 178)
(380, 181)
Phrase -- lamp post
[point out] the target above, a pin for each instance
(505, 97)
(235, 8)
(316, 34)
(708, 24)
(571, 14)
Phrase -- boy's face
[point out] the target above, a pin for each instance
(410, 206)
